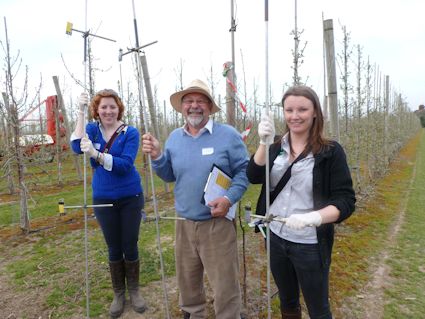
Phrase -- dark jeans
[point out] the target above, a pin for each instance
(120, 226)
(296, 265)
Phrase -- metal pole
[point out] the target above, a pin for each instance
(296, 42)
(86, 34)
(121, 86)
(86, 250)
(232, 30)
(155, 204)
(266, 19)
(232, 105)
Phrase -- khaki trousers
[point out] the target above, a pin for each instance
(211, 246)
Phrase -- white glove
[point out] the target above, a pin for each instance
(299, 221)
(87, 147)
(83, 101)
(266, 130)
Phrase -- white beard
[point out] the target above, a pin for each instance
(195, 120)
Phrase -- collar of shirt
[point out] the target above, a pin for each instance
(102, 130)
(208, 127)
(285, 144)
(285, 147)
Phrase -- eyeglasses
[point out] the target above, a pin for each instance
(198, 102)
(107, 92)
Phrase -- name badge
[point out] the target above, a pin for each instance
(207, 150)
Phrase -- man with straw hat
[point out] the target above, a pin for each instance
(206, 234)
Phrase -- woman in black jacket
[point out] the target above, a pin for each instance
(318, 194)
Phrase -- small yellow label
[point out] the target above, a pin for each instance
(61, 205)
(223, 181)
(69, 28)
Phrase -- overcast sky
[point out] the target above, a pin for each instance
(390, 32)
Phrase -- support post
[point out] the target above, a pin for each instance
(331, 78)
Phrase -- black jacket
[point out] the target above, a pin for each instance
(332, 185)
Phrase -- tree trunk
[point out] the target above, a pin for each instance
(23, 195)
(6, 149)
(165, 134)
(149, 96)
(386, 115)
(13, 116)
(230, 95)
(61, 106)
(357, 119)
(58, 141)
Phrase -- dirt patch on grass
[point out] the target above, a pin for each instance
(27, 300)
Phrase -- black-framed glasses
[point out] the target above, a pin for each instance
(190, 101)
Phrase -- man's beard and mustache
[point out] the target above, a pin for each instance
(195, 119)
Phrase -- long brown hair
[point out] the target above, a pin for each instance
(94, 105)
(316, 141)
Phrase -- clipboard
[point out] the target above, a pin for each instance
(217, 184)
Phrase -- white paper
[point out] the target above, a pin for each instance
(207, 151)
(217, 185)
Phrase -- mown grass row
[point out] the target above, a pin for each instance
(363, 236)
(405, 291)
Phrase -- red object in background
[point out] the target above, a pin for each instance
(51, 104)
(50, 116)
(32, 143)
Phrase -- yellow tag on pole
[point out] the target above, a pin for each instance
(69, 28)
(61, 204)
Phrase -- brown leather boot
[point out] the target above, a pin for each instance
(291, 313)
(117, 270)
(132, 269)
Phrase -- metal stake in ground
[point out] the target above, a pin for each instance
(137, 51)
(266, 108)
(86, 34)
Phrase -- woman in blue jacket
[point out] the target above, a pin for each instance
(112, 147)
(317, 194)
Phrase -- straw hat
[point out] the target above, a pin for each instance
(196, 86)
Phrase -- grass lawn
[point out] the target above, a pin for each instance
(47, 266)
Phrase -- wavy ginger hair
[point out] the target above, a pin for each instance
(94, 105)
